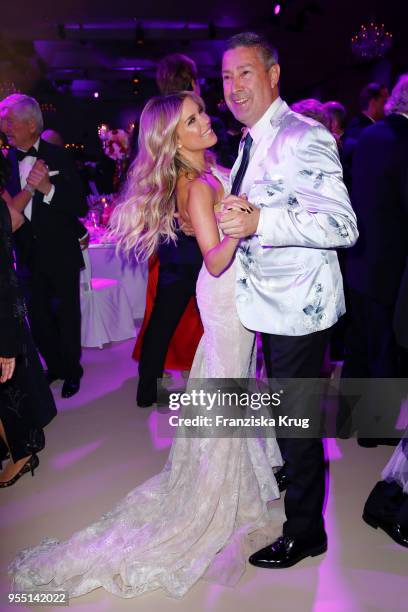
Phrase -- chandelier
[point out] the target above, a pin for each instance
(371, 42)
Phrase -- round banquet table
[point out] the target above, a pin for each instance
(106, 263)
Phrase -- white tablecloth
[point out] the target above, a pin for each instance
(106, 264)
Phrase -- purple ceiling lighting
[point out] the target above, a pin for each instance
(149, 29)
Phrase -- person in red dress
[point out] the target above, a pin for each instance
(185, 339)
(175, 73)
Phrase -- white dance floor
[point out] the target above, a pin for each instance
(101, 445)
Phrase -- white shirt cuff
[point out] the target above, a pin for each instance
(47, 198)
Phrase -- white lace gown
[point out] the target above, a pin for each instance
(194, 518)
(396, 469)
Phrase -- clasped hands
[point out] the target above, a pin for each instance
(39, 178)
(238, 218)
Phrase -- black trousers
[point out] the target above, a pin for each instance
(371, 352)
(370, 349)
(176, 285)
(55, 318)
(300, 357)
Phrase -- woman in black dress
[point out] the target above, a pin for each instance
(26, 403)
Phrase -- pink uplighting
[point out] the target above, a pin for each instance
(158, 424)
(64, 460)
(277, 9)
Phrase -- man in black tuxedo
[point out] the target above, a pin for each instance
(387, 504)
(375, 265)
(372, 100)
(48, 252)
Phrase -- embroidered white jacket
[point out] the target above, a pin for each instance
(288, 276)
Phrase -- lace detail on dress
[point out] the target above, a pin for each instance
(396, 469)
(193, 519)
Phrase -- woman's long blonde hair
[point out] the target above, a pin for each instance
(145, 213)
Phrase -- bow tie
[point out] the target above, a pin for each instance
(32, 152)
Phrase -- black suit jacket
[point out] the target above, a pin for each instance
(401, 312)
(375, 265)
(51, 237)
(356, 127)
(349, 142)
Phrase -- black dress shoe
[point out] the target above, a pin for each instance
(145, 403)
(160, 397)
(70, 387)
(391, 528)
(286, 551)
(282, 479)
(374, 442)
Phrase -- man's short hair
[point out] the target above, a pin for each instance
(176, 73)
(267, 52)
(372, 91)
(335, 110)
(24, 107)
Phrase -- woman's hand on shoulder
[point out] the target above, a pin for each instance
(7, 365)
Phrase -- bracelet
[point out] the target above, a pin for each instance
(29, 189)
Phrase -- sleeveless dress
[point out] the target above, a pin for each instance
(186, 336)
(191, 520)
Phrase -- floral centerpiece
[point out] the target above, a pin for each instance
(116, 145)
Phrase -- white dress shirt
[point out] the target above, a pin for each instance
(25, 166)
(258, 131)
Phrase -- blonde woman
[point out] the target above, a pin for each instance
(192, 518)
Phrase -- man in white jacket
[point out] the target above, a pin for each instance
(289, 284)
